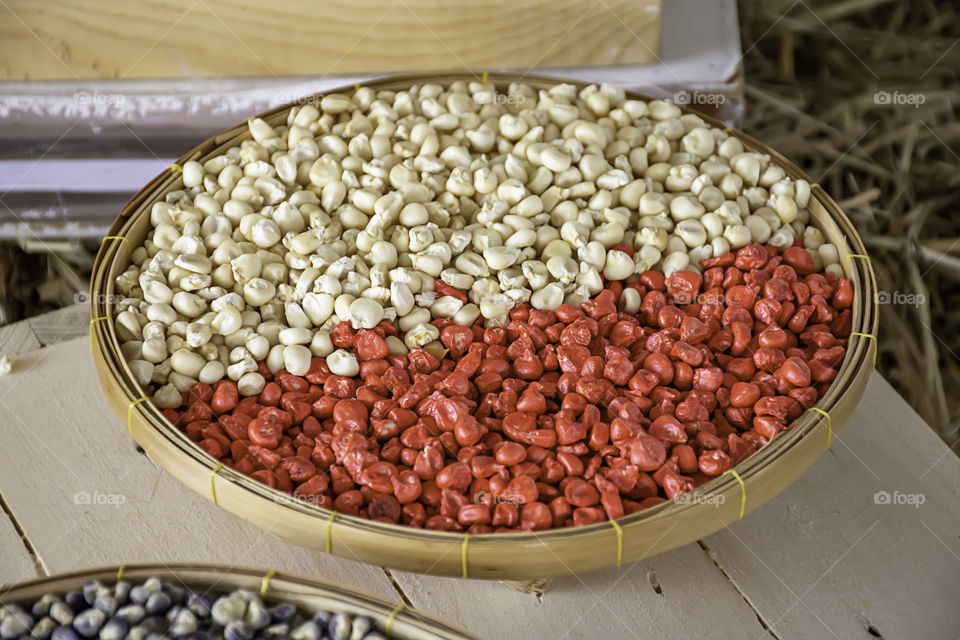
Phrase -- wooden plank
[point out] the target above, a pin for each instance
(63, 324)
(164, 38)
(85, 497)
(824, 559)
(79, 175)
(17, 338)
(16, 564)
(653, 598)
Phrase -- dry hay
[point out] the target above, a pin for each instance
(864, 94)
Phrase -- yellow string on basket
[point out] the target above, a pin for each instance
(120, 572)
(176, 168)
(486, 74)
(854, 255)
(463, 553)
(829, 423)
(213, 486)
(872, 337)
(393, 614)
(91, 329)
(266, 582)
(619, 529)
(743, 492)
(815, 185)
(124, 238)
(333, 514)
(130, 412)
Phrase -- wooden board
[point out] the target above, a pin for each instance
(855, 564)
(15, 561)
(653, 598)
(18, 338)
(826, 557)
(163, 38)
(63, 324)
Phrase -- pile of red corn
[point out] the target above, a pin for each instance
(560, 418)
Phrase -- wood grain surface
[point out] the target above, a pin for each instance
(15, 559)
(163, 38)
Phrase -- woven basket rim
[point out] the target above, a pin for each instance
(222, 578)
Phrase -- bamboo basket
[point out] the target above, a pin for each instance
(505, 556)
(309, 595)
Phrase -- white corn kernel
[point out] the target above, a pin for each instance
(343, 363)
(759, 229)
(167, 397)
(674, 262)
(828, 253)
(737, 235)
(630, 301)
(251, 384)
(618, 265)
(258, 291)
(499, 258)
(227, 321)
(720, 245)
(691, 232)
(294, 335)
(365, 313)
(189, 304)
(296, 359)
(275, 358)
(549, 297)
(187, 363)
(213, 371)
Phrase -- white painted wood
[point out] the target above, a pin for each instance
(17, 338)
(823, 559)
(615, 603)
(16, 565)
(63, 324)
(79, 175)
(66, 463)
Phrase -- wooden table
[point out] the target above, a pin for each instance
(865, 545)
